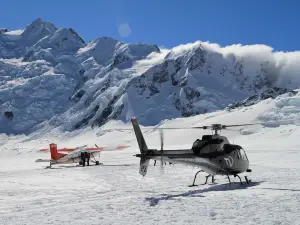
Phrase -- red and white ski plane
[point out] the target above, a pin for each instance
(79, 155)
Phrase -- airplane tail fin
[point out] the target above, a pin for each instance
(54, 153)
(144, 162)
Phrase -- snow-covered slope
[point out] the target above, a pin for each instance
(50, 77)
(115, 193)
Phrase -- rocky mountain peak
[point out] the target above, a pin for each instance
(3, 30)
(50, 77)
(37, 30)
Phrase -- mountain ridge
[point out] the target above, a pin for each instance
(51, 78)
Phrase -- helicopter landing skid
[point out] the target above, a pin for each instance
(212, 179)
(247, 180)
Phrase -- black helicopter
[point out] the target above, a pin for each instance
(213, 153)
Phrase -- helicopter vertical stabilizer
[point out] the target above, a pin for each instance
(144, 162)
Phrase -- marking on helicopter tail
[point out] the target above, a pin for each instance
(143, 169)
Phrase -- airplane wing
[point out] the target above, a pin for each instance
(75, 152)
(43, 160)
(109, 148)
(59, 150)
(78, 151)
(66, 149)
(120, 147)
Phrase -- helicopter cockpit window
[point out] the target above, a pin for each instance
(243, 154)
(216, 141)
(229, 148)
(206, 137)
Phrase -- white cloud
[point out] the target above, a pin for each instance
(284, 66)
(183, 49)
(151, 60)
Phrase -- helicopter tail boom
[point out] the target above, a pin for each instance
(139, 136)
(144, 162)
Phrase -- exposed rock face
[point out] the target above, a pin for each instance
(3, 30)
(254, 99)
(9, 115)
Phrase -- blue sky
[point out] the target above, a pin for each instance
(167, 22)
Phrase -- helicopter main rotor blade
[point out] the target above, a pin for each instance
(274, 122)
(123, 128)
(240, 125)
(220, 126)
(180, 128)
(166, 128)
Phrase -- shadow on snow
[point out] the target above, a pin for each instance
(198, 193)
(281, 189)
